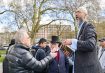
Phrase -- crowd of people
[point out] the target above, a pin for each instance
(87, 56)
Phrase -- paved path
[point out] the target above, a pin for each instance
(0, 67)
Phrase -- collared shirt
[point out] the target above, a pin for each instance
(101, 57)
(74, 42)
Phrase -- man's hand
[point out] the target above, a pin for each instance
(67, 42)
(53, 54)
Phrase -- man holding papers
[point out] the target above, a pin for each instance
(85, 57)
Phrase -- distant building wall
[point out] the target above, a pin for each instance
(63, 31)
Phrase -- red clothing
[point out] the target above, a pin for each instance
(58, 56)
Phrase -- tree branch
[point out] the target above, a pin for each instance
(52, 22)
(7, 11)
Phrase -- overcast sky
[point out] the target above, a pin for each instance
(102, 3)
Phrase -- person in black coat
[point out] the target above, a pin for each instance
(5, 61)
(21, 60)
(42, 44)
(85, 45)
(42, 51)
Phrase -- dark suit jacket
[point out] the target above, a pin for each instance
(86, 60)
(59, 67)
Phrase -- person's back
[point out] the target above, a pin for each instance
(40, 54)
(42, 51)
(45, 49)
(34, 50)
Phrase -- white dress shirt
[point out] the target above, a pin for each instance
(101, 57)
(74, 42)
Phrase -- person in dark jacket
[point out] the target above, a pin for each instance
(85, 45)
(42, 51)
(60, 63)
(42, 45)
(5, 61)
(21, 60)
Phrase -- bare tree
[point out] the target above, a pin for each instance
(30, 13)
(92, 6)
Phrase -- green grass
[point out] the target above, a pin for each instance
(2, 53)
(1, 59)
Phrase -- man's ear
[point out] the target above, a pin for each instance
(23, 40)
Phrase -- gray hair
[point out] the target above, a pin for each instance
(83, 9)
(20, 34)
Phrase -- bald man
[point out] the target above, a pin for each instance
(85, 58)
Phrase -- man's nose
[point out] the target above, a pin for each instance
(76, 14)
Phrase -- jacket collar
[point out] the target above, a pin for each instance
(82, 29)
(22, 46)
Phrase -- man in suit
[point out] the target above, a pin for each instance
(101, 54)
(60, 63)
(85, 57)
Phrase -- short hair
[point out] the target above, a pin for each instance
(20, 34)
(42, 40)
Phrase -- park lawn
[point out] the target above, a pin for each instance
(2, 53)
(1, 59)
